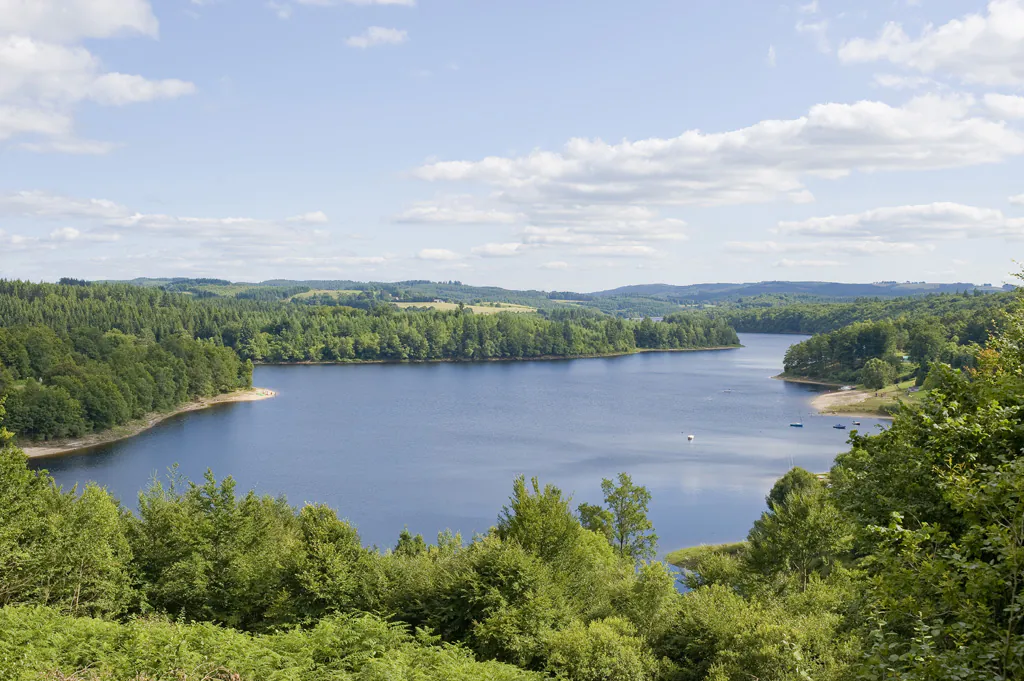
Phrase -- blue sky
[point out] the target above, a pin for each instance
(568, 145)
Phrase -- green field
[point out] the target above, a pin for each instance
(340, 293)
(888, 398)
(687, 558)
(489, 308)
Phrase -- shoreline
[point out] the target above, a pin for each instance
(826, 403)
(56, 448)
(807, 381)
(539, 358)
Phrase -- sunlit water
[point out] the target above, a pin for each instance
(436, 446)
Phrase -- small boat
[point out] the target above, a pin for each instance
(796, 425)
(856, 423)
(690, 438)
(839, 426)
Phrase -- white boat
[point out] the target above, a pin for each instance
(690, 438)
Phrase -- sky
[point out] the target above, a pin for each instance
(570, 145)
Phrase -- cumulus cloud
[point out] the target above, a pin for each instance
(314, 218)
(1005, 106)
(437, 254)
(771, 56)
(928, 221)
(788, 262)
(50, 221)
(870, 246)
(378, 35)
(505, 250)
(763, 162)
(1017, 200)
(456, 210)
(978, 48)
(328, 3)
(44, 72)
(901, 82)
(73, 20)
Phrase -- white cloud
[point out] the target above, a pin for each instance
(456, 210)
(73, 20)
(328, 3)
(809, 8)
(1017, 200)
(437, 254)
(929, 222)
(771, 56)
(818, 32)
(787, 262)
(555, 265)
(282, 10)
(763, 162)
(624, 250)
(314, 218)
(977, 48)
(898, 82)
(378, 35)
(172, 238)
(44, 74)
(1005, 106)
(506, 250)
(866, 247)
(21, 120)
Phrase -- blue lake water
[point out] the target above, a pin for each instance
(435, 446)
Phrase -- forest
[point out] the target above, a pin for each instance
(79, 357)
(880, 342)
(904, 562)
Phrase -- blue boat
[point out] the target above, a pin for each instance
(839, 426)
(796, 425)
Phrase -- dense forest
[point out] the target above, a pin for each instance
(967, 315)
(880, 342)
(905, 563)
(78, 357)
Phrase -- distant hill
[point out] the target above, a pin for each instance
(645, 300)
(697, 293)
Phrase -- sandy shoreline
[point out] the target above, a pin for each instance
(826, 403)
(63, 447)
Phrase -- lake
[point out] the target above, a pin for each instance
(435, 446)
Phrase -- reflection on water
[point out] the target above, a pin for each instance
(436, 446)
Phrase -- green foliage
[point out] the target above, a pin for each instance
(60, 549)
(796, 480)
(908, 564)
(603, 650)
(95, 379)
(596, 519)
(632, 532)
(35, 642)
(540, 521)
(877, 373)
(721, 636)
(803, 535)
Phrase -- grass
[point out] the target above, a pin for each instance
(486, 308)
(338, 293)
(887, 397)
(687, 558)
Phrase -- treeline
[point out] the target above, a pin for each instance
(873, 352)
(967, 315)
(278, 332)
(906, 564)
(90, 380)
